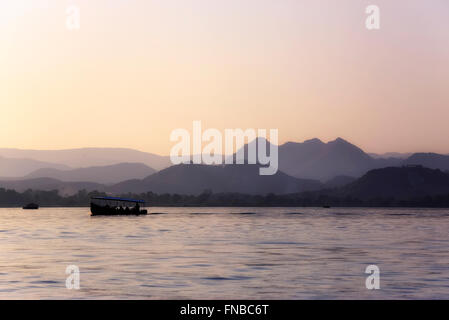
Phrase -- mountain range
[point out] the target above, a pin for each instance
(391, 186)
(314, 159)
(49, 184)
(309, 165)
(101, 174)
(429, 160)
(390, 155)
(18, 167)
(397, 182)
(196, 178)
(88, 157)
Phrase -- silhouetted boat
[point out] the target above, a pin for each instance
(31, 206)
(112, 206)
(326, 207)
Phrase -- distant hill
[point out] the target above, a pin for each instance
(88, 157)
(429, 160)
(315, 159)
(240, 185)
(311, 159)
(101, 174)
(399, 183)
(339, 181)
(48, 184)
(194, 179)
(18, 167)
(387, 155)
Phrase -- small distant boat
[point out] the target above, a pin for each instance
(326, 207)
(112, 206)
(31, 206)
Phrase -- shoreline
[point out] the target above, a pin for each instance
(240, 206)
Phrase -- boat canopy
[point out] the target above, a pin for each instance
(118, 199)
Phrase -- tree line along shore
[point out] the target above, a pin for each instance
(12, 198)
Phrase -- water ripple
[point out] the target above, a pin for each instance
(225, 253)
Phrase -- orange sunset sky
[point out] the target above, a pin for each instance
(138, 69)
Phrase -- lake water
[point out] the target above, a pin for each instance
(225, 253)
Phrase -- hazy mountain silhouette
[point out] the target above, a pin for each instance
(312, 159)
(13, 167)
(48, 184)
(195, 178)
(101, 174)
(390, 155)
(398, 182)
(429, 160)
(88, 157)
(315, 159)
(339, 181)
(241, 156)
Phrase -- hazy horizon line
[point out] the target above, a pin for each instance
(167, 155)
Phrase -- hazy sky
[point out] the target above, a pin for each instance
(137, 69)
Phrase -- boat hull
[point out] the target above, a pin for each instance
(31, 206)
(97, 210)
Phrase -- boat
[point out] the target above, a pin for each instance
(326, 206)
(31, 206)
(113, 206)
